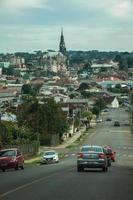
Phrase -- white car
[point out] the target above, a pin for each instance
(50, 157)
(99, 120)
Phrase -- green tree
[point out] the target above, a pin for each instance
(96, 111)
(46, 118)
(87, 115)
(84, 86)
(26, 89)
(100, 103)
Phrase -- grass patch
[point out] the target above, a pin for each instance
(81, 138)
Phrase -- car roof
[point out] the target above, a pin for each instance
(10, 149)
(92, 146)
(50, 151)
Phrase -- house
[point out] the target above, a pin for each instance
(74, 106)
(115, 103)
(9, 117)
(60, 97)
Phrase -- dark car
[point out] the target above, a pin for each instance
(116, 123)
(11, 158)
(92, 156)
(109, 119)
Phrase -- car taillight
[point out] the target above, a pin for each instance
(80, 155)
(101, 155)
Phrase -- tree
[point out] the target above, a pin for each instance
(100, 103)
(46, 118)
(95, 110)
(87, 115)
(84, 86)
(26, 76)
(26, 89)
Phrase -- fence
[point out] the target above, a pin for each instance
(26, 149)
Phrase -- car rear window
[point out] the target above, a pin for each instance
(7, 153)
(95, 149)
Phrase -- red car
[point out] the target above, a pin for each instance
(11, 158)
(110, 153)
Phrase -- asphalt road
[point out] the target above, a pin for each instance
(62, 182)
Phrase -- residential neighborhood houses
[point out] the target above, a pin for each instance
(82, 88)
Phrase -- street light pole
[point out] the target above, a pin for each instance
(73, 122)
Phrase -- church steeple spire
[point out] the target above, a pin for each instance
(62, 47)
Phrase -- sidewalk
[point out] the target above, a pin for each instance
(66, 143)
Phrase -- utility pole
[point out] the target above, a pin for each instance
(73, 122)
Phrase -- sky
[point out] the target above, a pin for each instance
(29, 25)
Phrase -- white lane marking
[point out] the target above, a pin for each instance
(124, 155)
(131, 156)
(120, 131)
(29, 184)
(130, 148)
(124, 147)
(73, 154)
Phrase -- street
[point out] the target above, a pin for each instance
(61, 181)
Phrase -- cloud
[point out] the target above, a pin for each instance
(123, 9)
(88, 24)
(30, 38)
(16, 5)
(116, 8)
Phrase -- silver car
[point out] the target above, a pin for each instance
(92, 156)
(50, 157)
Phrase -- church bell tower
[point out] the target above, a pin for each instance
(62, 47)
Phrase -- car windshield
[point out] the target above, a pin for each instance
(7, 153)
(96, 149)
(49, 153)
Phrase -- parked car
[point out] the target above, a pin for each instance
(111, 154)
(127, 123)
(11, 158)
(99, 120)
(50, 157)
(116, 123)
(109, 119)
(92, 156)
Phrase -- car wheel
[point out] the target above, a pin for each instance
(105, 169)
(16, 168)
(109, 163)
(80, 169)
(3, 170)
(22, 167)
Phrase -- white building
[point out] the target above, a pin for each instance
(4, 64)
(115, 103)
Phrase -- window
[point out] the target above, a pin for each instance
(7, 153)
